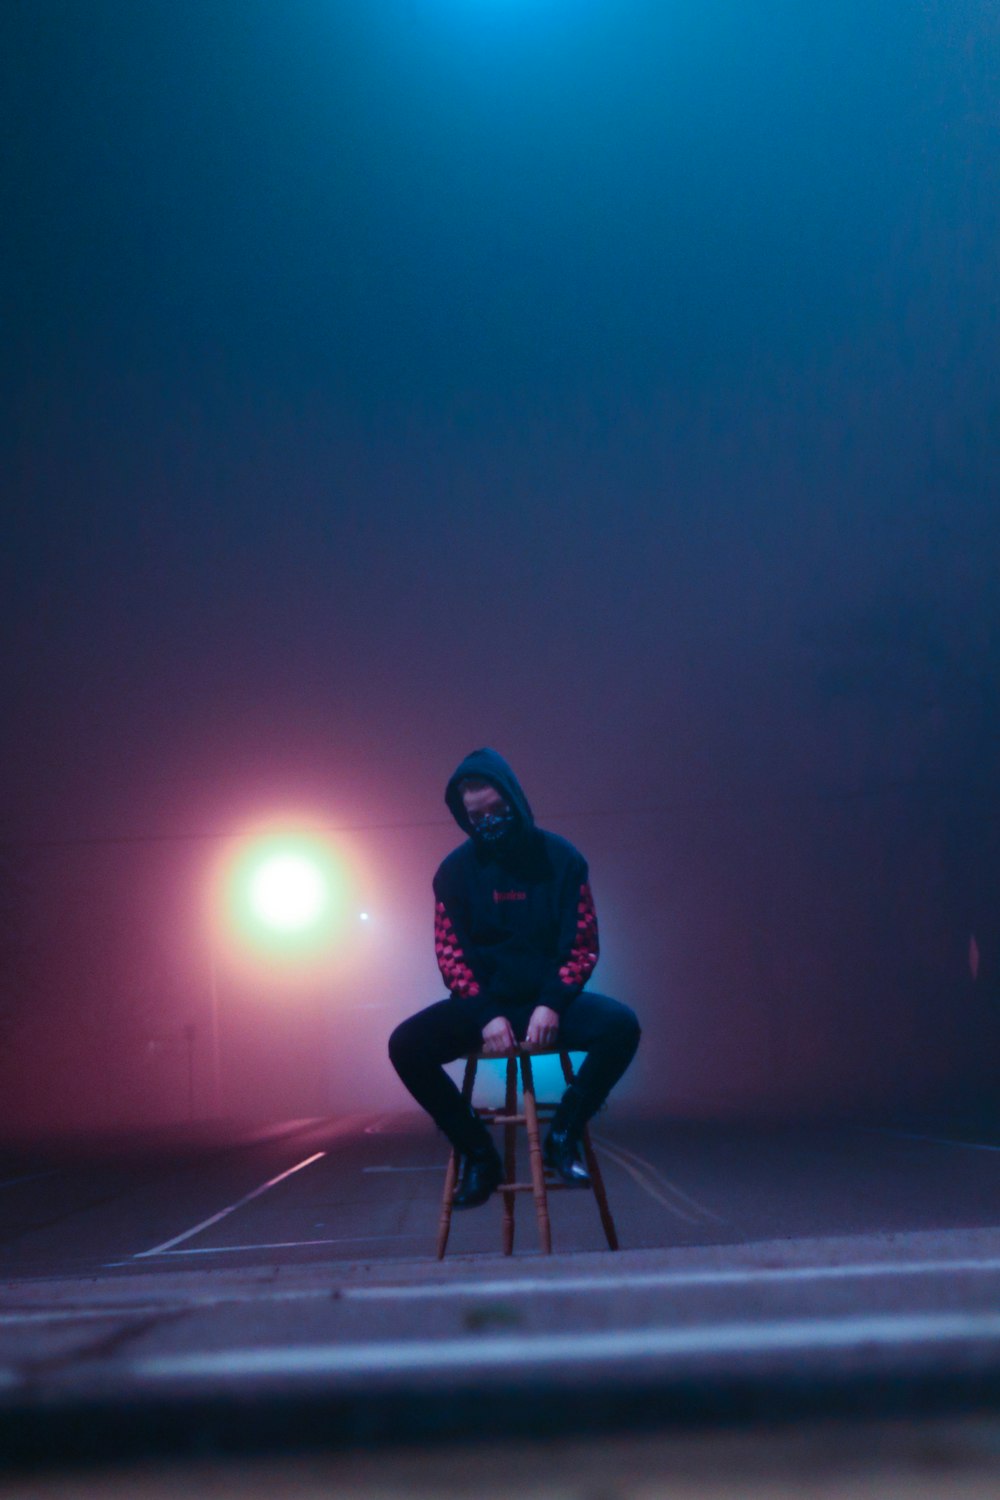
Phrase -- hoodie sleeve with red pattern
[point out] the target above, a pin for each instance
(462, 966)
(579, 947)
(514, 924)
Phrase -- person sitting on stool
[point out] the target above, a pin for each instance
(516, 938)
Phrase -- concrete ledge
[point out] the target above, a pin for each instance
(54, 1434)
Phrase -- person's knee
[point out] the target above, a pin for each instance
(615, 1029)
(627, 1030)
(400, 1044)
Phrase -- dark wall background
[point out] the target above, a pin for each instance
(614, 384)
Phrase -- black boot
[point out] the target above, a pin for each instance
(482, 1172)
(561, 1149)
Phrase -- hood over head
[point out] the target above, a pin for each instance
(488, 765)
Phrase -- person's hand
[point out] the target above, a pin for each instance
(498, 1037)
(543, 1028)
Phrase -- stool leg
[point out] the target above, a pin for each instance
(444, 1223)
(535, 1155)
(597, 1182)
(590, 1157)
(510, 1156)
(451, 1171)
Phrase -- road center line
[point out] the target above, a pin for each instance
(231, 1209)
(643, 1180)
(649, 1170)
(793, 1335)
(646, 1280)
(658, 1188)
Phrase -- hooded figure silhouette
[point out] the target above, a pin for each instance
(515, 931)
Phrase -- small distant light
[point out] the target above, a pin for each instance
(362, 916)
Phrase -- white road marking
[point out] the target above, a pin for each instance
(347, 1125)
(231, 1209)
(647, 1280)
(436, 1169)
(31, 1177)
(939, 1140)
(350, 1239)
(648, 1168)
(792, 1335)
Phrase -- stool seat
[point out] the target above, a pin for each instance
(543, 1180)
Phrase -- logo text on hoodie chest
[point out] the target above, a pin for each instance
(499, 896)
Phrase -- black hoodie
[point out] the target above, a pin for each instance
(515, 926)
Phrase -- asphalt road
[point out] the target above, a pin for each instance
(234, 1287)
(368, 1187)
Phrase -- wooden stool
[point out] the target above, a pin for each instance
(542, 1181)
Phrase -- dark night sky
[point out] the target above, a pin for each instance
(614, 383)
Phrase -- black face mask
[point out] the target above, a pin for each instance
(494, 830)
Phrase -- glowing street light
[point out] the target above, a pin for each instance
(284, 893)
(287, 893)
(280, 895)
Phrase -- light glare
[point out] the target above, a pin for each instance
(288, 893)
(282, 894)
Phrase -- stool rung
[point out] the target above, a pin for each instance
(529, 1187)
(544, 1179)
(497, 1115)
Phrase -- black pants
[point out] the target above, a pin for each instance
(603, 1028)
